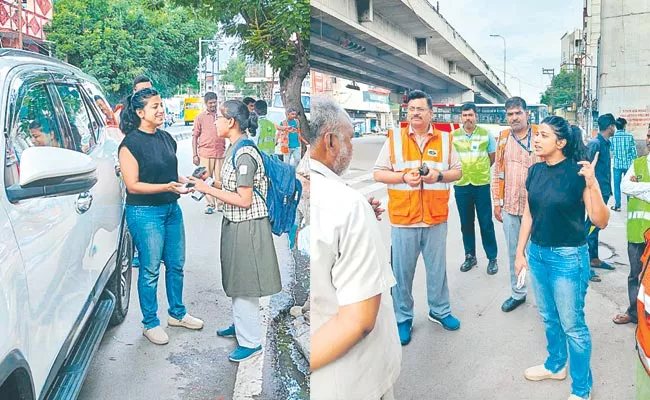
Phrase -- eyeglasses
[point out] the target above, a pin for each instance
(418, 109)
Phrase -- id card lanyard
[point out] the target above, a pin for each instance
(527, 148)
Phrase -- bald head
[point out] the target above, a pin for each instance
(330, 134)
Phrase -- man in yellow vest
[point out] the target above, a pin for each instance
(476, 148)
(636, 184)
(418, 163)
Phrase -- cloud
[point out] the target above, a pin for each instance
(532, 30)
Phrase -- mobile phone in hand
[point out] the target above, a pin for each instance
(190, 185)
(198, 172)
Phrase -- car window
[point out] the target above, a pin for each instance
(35, 126)
(83, 125)
(102, 107)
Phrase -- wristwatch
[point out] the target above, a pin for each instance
(439, 176)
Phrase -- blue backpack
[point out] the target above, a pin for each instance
(283, 192)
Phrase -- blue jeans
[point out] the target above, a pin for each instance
(159, 235)
(560, 280)
(472, 199)
(407, 244)
(618, 176)
(293, 158)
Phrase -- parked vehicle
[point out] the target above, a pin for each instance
(192, 106)
(65, 252)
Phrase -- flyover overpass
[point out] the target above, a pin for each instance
(400, 45)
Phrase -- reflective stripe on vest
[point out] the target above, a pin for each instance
(638, 211)
(427, 202)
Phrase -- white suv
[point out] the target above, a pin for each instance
(65, 251)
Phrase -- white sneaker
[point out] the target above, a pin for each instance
(574, 397)
(156, 335)
(188, 322)
(539, 373)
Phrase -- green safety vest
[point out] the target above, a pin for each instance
(266, 139)
(474, 157)
(638, 211)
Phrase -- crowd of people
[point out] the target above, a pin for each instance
(547, 188)
(149, 168)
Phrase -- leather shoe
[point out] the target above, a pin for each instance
(470, 262)
(511, 304)
(493, 267)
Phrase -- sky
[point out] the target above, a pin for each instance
(532, 30)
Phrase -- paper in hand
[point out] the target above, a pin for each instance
(521, 278)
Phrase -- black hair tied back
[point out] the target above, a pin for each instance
(130, 120)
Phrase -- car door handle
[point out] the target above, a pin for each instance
(83, 203)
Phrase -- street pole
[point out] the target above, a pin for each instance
(504, 57)
(19, 9)
(200, 62)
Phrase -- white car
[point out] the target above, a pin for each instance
(65, 251)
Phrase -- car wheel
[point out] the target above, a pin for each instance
(120, 283)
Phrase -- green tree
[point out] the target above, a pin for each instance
(116, 40)
(272, 31)
(235, 74)
(564, 89)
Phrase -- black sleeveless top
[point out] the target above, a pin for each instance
(157, 163)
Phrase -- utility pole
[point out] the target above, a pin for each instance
(19, 11)
(202, 69)
(551, 72)
(504, 57)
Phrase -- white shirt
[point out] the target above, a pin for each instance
(349, 264)
(640, 190)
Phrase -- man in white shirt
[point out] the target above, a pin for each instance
(355, 349)
(636, 184)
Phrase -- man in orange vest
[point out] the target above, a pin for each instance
(418, 163)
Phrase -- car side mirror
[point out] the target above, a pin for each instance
(52, 171)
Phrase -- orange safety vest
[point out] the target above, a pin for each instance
(428, 202)
(643, 308)
(501, 164)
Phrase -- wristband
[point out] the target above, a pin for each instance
(403, 177)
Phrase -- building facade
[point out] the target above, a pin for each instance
(22, 22)
(624, 63)
(369, 107)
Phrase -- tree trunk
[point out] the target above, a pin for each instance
(290, 89)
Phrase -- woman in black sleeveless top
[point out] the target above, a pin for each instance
(150, 169)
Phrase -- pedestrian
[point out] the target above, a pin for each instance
(418, 210)
(600, 144)
(249, 264)
(514, 157)
(475, 147)
(635, 185)
(266, 129)
(150, 169)
(207, 147)
(139, 82)
(294, 139)
(355, 353)
(624, 152)
(559, 191)
(252, 122)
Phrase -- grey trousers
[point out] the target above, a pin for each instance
(511, 226)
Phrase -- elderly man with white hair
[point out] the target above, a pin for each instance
(355, 349)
